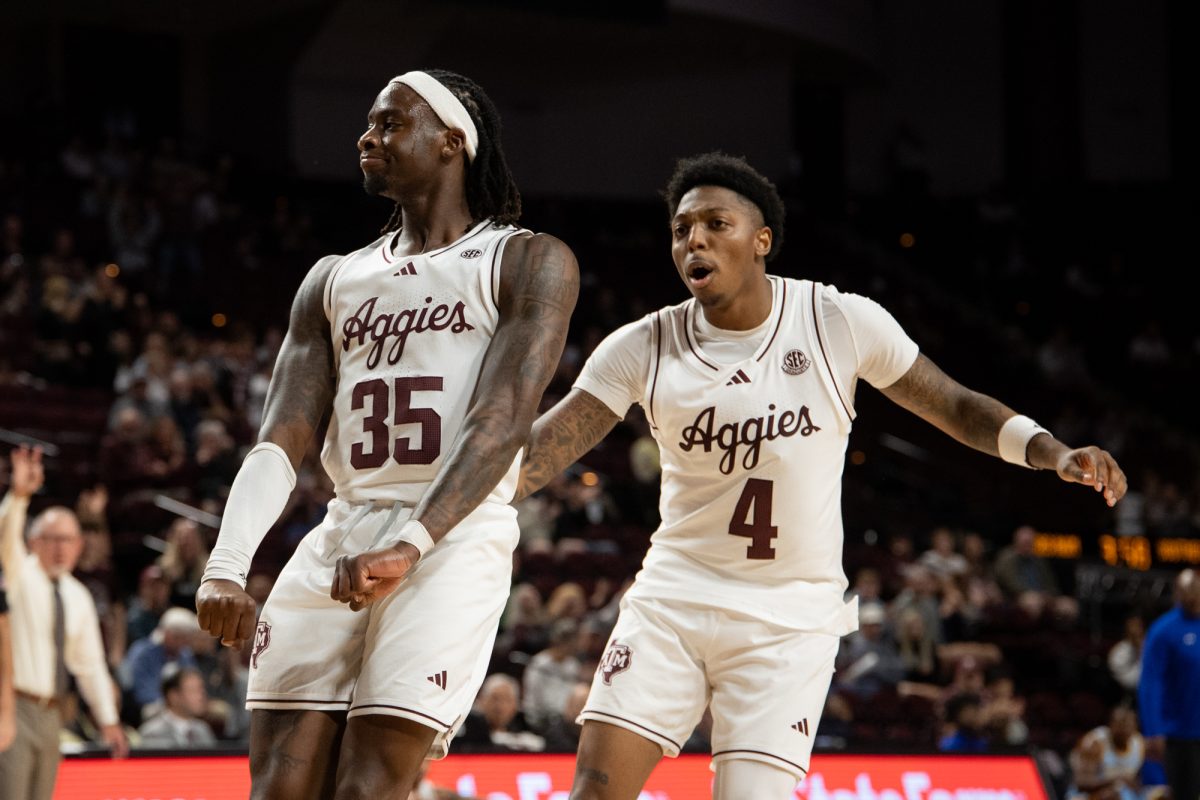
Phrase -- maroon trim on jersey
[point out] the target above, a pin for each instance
(687, 334)
(297, 701)
(492, 274)
(483, 226)
(388, 243)
(402, 708)
(778, 322)
(636, 725)
(761, 753)
(333, 273)
(824, 355)
(656, 332)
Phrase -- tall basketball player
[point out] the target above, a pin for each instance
(430, 348)
(749, 391)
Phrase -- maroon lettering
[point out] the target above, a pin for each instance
(748, 434)
(390, 332)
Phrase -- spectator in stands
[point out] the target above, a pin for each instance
(170, 643)
(215, 461)
(550, 675)
(495, 724)
(869, 662)
(921, 594)
(916, 648)
(867, 586)
(55, 634)
(1004, 712)
(1027, 580)
(941, 559)
(1169, 690)
(562, 731)
(963, 726)
(1125, 657)
(1121, 752)
(180, 724)
(184, 560)
(227, 692)
(567, 601)
(147, 606)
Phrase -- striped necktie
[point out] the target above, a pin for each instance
(60, 640)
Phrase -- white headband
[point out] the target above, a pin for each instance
(449, 109)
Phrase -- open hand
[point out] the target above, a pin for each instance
(362, 579)
(27, 473)
(1094, 467)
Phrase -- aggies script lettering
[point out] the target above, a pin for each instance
(750, 433)
(398, 326)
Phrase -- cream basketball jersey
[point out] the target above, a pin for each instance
(409, 336)
(752, 456)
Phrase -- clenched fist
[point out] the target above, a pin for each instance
(362, 579)
(224, 609)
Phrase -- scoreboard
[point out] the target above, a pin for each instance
(1131, 552)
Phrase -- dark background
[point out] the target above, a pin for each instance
(1042, 157)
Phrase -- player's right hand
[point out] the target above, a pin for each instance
(225, 610)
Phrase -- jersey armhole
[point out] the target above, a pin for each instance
(498, 265)
(328, 299)
(655, 358)
(818, 323)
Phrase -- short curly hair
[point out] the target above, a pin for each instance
(733, 173)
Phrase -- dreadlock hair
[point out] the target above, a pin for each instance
(733, 173)
(491, 191)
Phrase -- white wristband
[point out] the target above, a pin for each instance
(1013, 441)
(257, 498)
(415, 534)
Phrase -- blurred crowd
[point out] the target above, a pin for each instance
(110, 352)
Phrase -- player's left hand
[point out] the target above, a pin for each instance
(1094, 467)
(367, 577)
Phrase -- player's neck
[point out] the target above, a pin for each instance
(746, 310)
(431, 221)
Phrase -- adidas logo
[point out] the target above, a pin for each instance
(738, 377)
(439, 679)
(408, 269)
(801, 726)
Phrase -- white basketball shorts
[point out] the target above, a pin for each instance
(421, 653)
(666, 660)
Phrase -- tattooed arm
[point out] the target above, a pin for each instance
(574, 426)
(539, 283)
(300, 394)
(975, 420)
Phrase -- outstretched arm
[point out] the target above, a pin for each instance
(539, 283)
(574, 426)
(976, 419)
(301, 392)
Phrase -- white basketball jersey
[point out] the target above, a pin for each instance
(752, 457)
(409, 335)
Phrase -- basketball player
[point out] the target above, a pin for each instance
(749, 390)
(430, 348)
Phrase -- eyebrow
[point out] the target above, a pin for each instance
(703, 210)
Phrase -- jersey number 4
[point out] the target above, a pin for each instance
(752, 518)
(376, 424)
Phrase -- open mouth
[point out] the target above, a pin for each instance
(699, 275)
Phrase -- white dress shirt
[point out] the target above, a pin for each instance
(31, 610)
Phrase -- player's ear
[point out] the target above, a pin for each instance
(762, 241)
(454, 143)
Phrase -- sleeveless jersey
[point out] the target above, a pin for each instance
(409, 336)
(752, 457)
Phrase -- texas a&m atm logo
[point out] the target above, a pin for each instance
(617, 659)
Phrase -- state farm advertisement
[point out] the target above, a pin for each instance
(548, 777)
